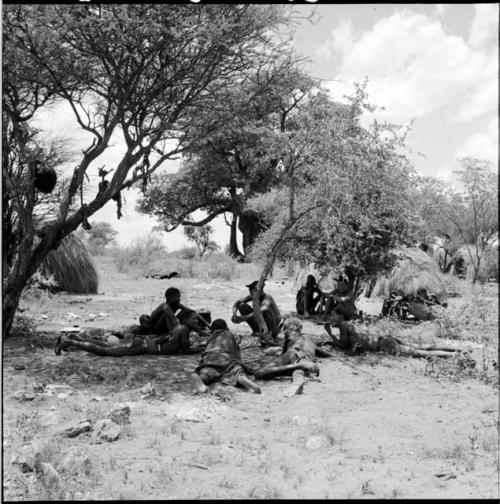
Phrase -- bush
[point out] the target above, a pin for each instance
(188, 253)
(488, 270)
(140, 255)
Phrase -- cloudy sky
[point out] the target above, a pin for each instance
(436, 64)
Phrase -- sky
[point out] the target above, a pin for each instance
(433, 64)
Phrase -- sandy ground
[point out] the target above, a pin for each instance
(407, 435)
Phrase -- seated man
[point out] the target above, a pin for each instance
(306, 300)
(269, 309)
(341, 301)
(163, 332)
(297, 359)
(354, 341)
(221, 361)
(166, 315)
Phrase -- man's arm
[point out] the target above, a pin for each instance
(336, 341)
(272, 370)
(196, 314)
(172, 320)
(236, 319)
(237, 303)
(321, 352)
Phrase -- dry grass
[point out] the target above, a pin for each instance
(416, 270)
(72, 267)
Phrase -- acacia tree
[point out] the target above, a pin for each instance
(477, 217)
(140, 73)
(200, 235)
(469, 214)
(236, 160)
(343, 204)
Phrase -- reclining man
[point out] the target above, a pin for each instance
(269, 309)
(166, 331)
(221, 361)
(297, 359)
(355, 341)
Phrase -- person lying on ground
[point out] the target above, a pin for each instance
(269, 309)
(297, 359)
(136, 341)
(221, 361)
(355, 341)
(340, 301)
(421, 306)
(308, 297)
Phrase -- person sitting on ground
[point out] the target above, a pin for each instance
(355, 341)
(221, 361)
(163, 332)
(297, 359)
(166, 316)
(341, 301)
(307, 301)
(269, 309)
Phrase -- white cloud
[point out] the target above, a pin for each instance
(415, 68)
(484, 28)
(441, 9)
(482, 145)
(340, 41)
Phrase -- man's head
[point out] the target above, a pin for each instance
(311, 280)
(292, 327)
(253, 285)
(218, 325)
(173, 296)
(335, 318)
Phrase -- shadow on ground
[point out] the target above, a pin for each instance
(34, 356)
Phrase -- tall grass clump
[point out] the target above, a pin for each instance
(71, 267)
(415, 270)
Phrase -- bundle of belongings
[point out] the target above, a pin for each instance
(421, 306)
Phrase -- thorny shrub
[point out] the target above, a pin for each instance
(460, 366)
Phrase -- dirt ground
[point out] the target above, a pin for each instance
(411, 434)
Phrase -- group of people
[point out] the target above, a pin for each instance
(312, 300)
(167, 330)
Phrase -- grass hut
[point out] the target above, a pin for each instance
(72, 267)
(415, 270)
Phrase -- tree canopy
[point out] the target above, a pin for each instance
(233, 157)
(141, 74)
(344, 206)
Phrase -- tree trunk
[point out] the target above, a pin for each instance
(476, 271)
(233, 243)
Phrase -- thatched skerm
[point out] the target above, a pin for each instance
(415, 270)
(72, 267)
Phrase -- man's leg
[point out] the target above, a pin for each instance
(246, 309)
(414, 351)
(328, 307)
(297, 386)
(198, 384)
(177, 341)
(271, 322)
(134, 347)
(244, 381)
(202, 378)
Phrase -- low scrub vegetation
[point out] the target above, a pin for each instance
(148, 256)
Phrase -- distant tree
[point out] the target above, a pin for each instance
(200, 235)
(468, 215)
(475, 215)
(100, 236)
(236, 158)
(140, 73)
